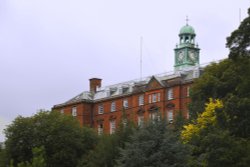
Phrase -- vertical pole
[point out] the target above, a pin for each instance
(141, 42)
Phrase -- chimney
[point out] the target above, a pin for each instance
(94, 83)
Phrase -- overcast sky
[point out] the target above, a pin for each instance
(50, 48)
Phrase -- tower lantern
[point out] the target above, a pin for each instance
(186, 52)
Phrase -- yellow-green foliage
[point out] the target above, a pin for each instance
(204, 120)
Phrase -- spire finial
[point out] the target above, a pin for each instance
(187, 20)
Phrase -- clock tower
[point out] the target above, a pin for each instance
(186, 52)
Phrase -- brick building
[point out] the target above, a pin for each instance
(140, 100)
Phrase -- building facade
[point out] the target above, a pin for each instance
(166, 95)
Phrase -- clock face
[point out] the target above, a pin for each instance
(180, 57)
(192, 56)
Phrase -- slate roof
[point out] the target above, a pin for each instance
(133, 86)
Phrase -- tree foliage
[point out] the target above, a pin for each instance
(108, 147)
(64, 141)
(239, 41)
(154, 145)
(229, 81)
(203, 122)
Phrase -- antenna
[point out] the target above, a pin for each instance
(187, 20)
(141, 42)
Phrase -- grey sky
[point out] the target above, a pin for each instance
(50, 48)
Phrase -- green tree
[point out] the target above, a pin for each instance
(229, 81)
(239, 41)
(64, 141)
(154, 145)
(108, 147)
(212, 145)
(37, 160)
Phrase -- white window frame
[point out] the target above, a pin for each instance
(74, 111)
(113, 106)
(159, 97)
(112, 126)
(100, 129)
(62, 111)
(154, 97)
(140, 120)
(141, 100)
(170, 116)
(170, 93)
(188, 115)
(153, 116)
(125, 103)
(149, 99)
(100, 109)
(188, 91)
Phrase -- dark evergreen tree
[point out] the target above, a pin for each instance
(154, 145)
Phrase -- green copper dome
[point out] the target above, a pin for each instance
(187, 29)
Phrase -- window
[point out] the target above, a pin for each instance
(113, 106)
(125, 103)
(149, 99)
(74, 111)
(188, 91)
(141, 100)
(112, 126)
(154, 98)
(170, 116)
(170, 94)
(100, 129)
(100, 109)
(62, 111)
(159, 96)
(154, 116)
(188, 116)
(140, 120)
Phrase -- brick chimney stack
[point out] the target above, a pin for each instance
(94, 83)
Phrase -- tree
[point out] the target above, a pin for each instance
(37, 160)
(229, 81)
(212, 145)
(108, 147)
(154, 145)
(64, 141)
(239, 41)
